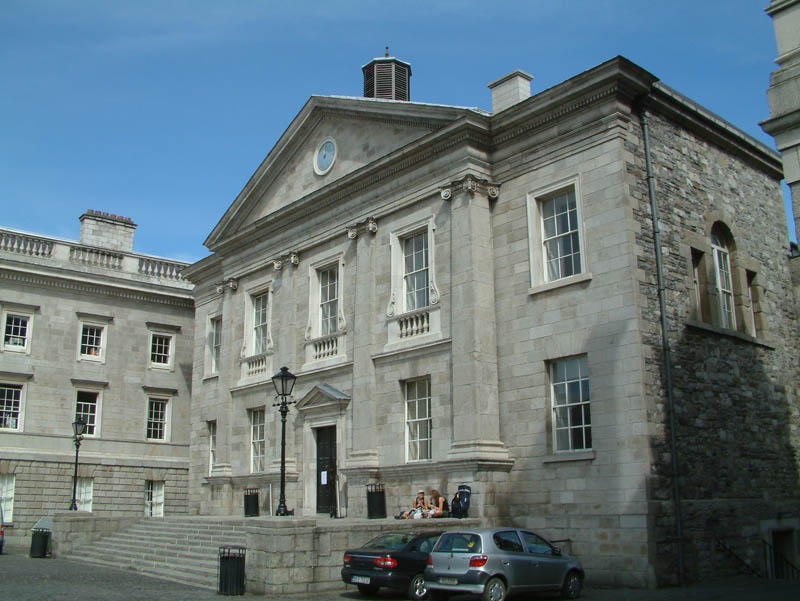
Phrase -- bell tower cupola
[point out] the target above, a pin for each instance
(387, 77)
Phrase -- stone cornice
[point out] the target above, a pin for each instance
(53, 281)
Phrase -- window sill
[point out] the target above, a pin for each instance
(570, 456)
(707, 327)
(575, 279)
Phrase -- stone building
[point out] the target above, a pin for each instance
(92, 329)
(483, 298)
(784, 106)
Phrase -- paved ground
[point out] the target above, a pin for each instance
(26, 579)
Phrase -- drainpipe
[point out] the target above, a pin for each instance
(676, 493)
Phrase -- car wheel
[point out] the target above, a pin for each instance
(495, 590)
(572, 586)
(367, 590)
(417, 589)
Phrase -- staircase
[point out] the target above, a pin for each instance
(181, 549)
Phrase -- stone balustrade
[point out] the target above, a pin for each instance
(414, 324)
(24, 244)
(56, 250)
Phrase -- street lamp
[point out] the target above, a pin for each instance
(78, 429)
(283, 381)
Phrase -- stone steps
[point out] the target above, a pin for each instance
(184, 550)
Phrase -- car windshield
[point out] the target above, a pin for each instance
(393, 541)
(458, 542)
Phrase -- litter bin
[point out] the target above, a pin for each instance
(231, 570)
(251, 502)
(376, 501)
(40, 541)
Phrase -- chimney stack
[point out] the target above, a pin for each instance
(510, 90)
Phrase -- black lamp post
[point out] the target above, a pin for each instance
(78, 429)
(283, 381)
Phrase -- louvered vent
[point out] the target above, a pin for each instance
(387, 77)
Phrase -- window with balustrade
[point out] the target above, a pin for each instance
(413, 311)
(326, 327)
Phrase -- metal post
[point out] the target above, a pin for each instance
(74, 506)
(282, 499)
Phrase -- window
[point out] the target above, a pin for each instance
(87, 406)
(260, 324)
(418, 420)
(556, 244)
(413, 266)
(7, 482)
(572, 420)
(722, 273)
(161, 350)
(560, 237)
(215, 343)
(257, 441)
(415, 274)
(328, 300)
(91, 342)
(16, 333)
(154, 498)
(508, 541)
(10, 406)
(157, 419)
(754, 298)
(326, 328)
(536, 544)
(84, 493)
(212, 445)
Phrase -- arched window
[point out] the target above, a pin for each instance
(720, 246)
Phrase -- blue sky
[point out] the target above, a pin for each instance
(161, 110)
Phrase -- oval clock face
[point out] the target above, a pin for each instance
(326, 154)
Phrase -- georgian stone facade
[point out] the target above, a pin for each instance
(92, 328)
(475, 298)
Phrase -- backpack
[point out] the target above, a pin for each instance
(459, 507)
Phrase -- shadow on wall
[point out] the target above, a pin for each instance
(736, 461)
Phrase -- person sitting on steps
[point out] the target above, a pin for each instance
(437, 506)
(418, 507)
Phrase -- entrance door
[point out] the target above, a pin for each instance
(326, 469)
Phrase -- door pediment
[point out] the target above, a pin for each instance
(323, 399)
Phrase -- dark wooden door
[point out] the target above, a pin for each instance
(326, 469)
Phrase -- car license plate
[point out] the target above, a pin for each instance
(448, 580)
(360, 580)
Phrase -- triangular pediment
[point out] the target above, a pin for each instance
(363, 130)
(323, 398)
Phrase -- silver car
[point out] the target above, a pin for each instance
(494, 562)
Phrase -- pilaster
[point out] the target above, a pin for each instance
(476, 413)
